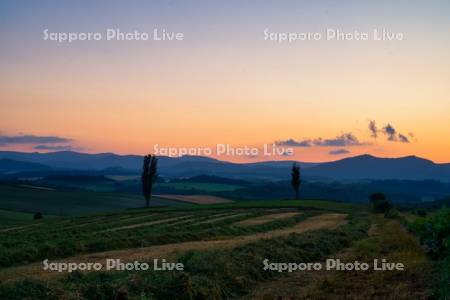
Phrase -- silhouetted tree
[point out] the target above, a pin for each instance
(148, 177)
(38, 216)
(295, 179)
(380, 203)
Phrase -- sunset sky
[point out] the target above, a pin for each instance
(223, 83)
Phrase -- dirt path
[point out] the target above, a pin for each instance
(325, 221)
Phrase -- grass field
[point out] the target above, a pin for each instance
(63, 202)
(134, 229)
(202, 186)
(143, 234)
(14, 218)
(386, 239)
(221, 246)
(276, 204)
(195, 199)
(32, 199)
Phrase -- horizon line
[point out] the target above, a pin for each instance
(227, 161)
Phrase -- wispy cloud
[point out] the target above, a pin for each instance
(294, 143)
(345, 139)
(31, 139)
(393, 135)
(402, 138)
(57, 148)
(390, 132)
(373, 129)
(339, 152)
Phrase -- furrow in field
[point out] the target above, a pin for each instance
(266, 219)
(18, 228)
(146, 224)
(386, 238)
(221, 218)
(196, 199)
(325, 221)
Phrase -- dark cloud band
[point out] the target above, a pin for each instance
(346, 139)
(339, 152)
(32, 139)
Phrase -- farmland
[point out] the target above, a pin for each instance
(71, 202)
(221, 246)
(32, 199)
(13, 218)
(207, 187)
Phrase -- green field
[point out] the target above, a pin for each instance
(201, 186)
(221, 246)
(304, 203)
(78, 202)
(102, 232)
(168, 227)
(14, 218)
(68, 202)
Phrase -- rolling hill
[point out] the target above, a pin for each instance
(371, 167)
(10, 165)
(352, 168)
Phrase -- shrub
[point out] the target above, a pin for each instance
(392, 214)
(434, 233)
(38, 216)
(27, 289)
(379, 202)
(442, 286)
(421, 212)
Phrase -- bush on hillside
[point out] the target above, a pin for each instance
(380, 204)
(434, 233)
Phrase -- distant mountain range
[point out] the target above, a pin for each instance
(10, 165)
(353, 168)
(371, 167)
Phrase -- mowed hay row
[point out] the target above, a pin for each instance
(92, 224)
(239, 214)
(132, 221)
(324, 221)
(156, 222)
(221, 217)
(196, 199)
(17, 228)
(174, 220)
(203, 219)
(55, 226)
(266, 219)
(134, 218)
(35, 270)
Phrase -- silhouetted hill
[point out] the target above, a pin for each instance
(83, 161)
(14, 166)
(212, 179)
(370, 167)
(78, 178)
(352, 168)
(185, 166)
(77, 161)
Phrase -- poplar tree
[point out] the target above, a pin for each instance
(295, 179)
(148, 177)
